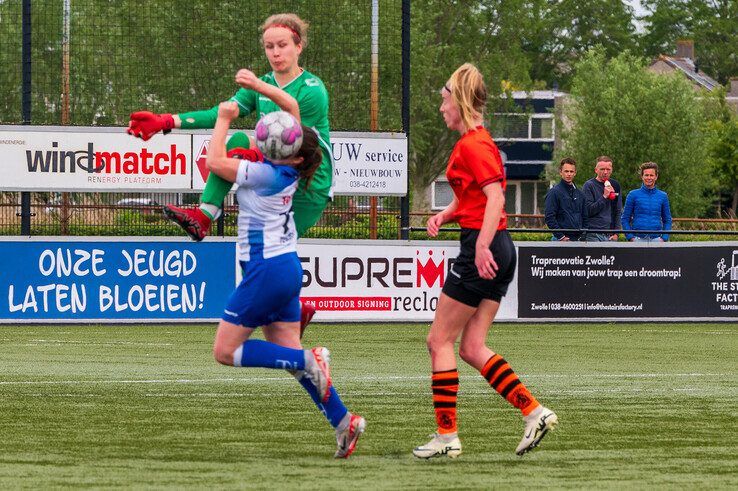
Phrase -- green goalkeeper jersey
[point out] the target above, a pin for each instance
(312, 98)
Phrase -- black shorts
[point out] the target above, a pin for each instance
(463, 282)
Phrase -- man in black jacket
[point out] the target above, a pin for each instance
(603, 201)
(565, 204)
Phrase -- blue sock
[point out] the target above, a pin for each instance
(333, 409)
(258, 353)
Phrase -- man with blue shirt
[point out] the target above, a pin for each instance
(565, 207)
(647, 208)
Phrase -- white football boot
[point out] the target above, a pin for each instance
(537, 424)
(448, 445)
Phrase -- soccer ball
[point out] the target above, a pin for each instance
(278, 135)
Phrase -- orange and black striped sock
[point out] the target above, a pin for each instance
(445, 386)
(502, 378)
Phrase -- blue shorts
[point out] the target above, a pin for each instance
(269, 292)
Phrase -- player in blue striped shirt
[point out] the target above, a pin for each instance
(269, 294)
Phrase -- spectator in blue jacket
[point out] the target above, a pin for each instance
(565, 204)
(647, 208)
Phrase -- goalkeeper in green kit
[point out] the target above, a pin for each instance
(283, 36)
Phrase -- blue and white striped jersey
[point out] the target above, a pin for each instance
(266, 227)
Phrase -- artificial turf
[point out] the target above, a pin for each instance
(640, 405)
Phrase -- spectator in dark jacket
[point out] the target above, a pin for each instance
(565, 204)
(647, 208)
(603, 201)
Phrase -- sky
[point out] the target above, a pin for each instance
(636, 4)
(638, 11)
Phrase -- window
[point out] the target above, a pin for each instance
(523, 126)
(541, 128)
(364, 203)
(441, 194)
(511, 201)
(510, 126)
(525, 197)
(521, 197)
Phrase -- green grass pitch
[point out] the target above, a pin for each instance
(640, 405)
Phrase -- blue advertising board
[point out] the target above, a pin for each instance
(119, 281)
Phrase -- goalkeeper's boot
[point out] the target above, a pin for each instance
(192, 220)
(317, 368)
(448, 445)
(347, 438)
(537, 424)
(307, 311)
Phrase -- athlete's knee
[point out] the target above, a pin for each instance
(437, 341)
(223, 354)
(469, 351)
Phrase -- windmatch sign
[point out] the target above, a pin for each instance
(93, 161)
(39, 158)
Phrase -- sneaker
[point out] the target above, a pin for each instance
(317, 368)
(347, 438)
(307, 311)
(192, 220)
(537, 424)
(448, 445)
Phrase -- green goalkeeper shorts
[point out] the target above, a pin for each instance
(307, 213)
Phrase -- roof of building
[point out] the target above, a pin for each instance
(687, 66)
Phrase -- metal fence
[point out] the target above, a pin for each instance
(347, 217)
(102, 60)
(92, 63)
(123, 214)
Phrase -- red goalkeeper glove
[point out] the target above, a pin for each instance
(252, 154)
(144, 124)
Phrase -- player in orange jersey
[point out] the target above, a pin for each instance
(480, 276)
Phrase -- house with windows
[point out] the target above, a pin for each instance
(525, 135)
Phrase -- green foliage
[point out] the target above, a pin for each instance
(127, 218)
(571, 28)
(356, 228)
(165, 56)
(723, 157)
(712, 25)
(620, 109)
(458, 33)
(527, 44)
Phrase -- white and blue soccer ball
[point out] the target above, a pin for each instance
(278, 135)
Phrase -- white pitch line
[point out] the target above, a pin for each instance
(104, 343)
(423, 393)
(365, 378)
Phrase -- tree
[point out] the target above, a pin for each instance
(713, 25)
(723, 158)
(572, 27)
(620, 109)
(445, 34)
(182, 56)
